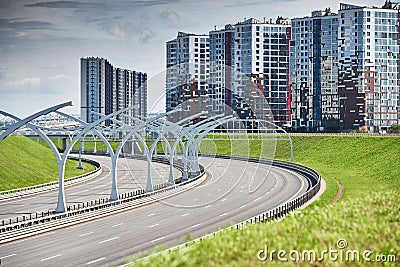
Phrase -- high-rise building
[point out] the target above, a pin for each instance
(314, 71)
(187, 72)
(369, 66)
(262, 52)
(220, 84)
(106, 89)
(245, 70)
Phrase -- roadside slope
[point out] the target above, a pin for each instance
(24, 162)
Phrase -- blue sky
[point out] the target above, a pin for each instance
(41, 42)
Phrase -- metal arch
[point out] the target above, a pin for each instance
(288, 136)
(114, 189)
(11, 128)
(35, 129)
(61, 196)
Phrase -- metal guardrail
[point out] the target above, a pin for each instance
(273, 214)
(10, 228)
(51, 184)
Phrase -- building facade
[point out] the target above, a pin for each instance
(369, 66)
(106, 89)
(314, 72)
(188, 70)
(244, 69)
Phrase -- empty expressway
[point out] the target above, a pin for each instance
(233, 191)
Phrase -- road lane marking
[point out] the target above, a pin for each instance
(241, 207)
(195, 199)
(158, 239)
(154, 225)
(116, 225)
(52, 257)
(206, 207)
(257, 199)
(107, 240)
(90, 262)
(193, 226)
(223, 214)
(151, 214)
(186, 214)
(223, 200)
(7, 256)
(86, 234)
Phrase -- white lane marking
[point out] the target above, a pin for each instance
(79, 198)
(116, 225)
(223, 200)
(7, 256)
(241, 191)
(90, 262)
(52, 257)
(186, 214)
(193, 226)
(154, 225)
(151, 214)
(223, 214)
(195, 199)
(257, 199)
(86, 234)
(241, 207)
(158, 239)
(206, 207)
(107, 240)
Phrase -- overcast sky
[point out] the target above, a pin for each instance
(41, 42)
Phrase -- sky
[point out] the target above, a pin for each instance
(41, 42)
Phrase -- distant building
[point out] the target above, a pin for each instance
(187, 72)
(369, 66)
(242, 68)
(314, 72)
(106, 89)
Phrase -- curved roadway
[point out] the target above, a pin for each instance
(234, 191)
(132, 175)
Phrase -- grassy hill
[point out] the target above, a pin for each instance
(24, 162)
(367, 215)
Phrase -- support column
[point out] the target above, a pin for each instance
(149, 185)
(61, 193)
(114, 190)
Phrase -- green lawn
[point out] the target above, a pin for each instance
(24, 162)
(367, 215)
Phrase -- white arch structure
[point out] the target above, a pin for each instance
(183, 132)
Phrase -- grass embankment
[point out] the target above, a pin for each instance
(24, 162)
(367, 215)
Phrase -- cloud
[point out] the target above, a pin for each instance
(140, 31)
(57, 77)
(67, 4)
(171, 18)
(26, 82)
(245, 4)
(18, 24)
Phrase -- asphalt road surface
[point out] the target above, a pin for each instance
(132, 175)
(234, 191)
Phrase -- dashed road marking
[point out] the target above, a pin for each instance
(52, 257)
(107, 240)
(86, 234)
(90, 262)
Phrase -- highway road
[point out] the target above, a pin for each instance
(132, 175)
(234, 191)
